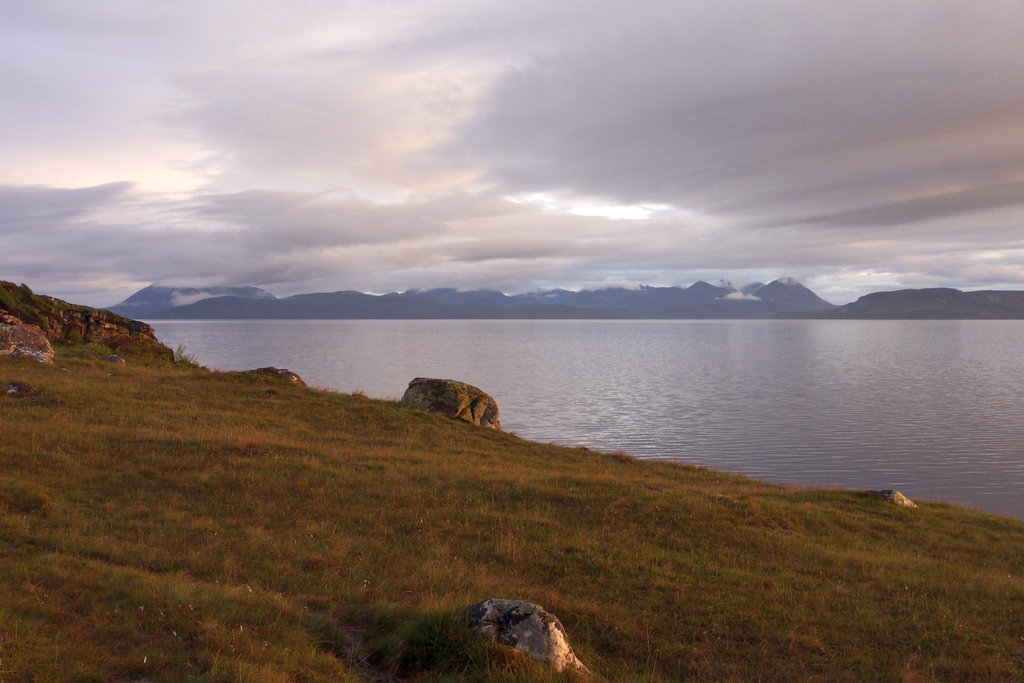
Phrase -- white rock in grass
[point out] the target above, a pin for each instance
(897, 498)
(528, 628)
(26, 352)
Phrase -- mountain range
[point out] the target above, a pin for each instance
(780, 298)
(700, 300)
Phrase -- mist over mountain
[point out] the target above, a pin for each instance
(156, 298)
(700, 300)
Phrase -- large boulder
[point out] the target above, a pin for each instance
(528, 628)
(453, 399)
(15, 337)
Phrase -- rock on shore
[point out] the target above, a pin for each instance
(453, 399)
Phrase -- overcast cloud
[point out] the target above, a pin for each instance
(319, 145)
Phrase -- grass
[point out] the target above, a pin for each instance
(20, 300)
(164, 522)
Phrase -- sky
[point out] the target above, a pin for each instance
(321, 145)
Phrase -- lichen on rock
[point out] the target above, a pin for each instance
(453, 399)
(19, 340)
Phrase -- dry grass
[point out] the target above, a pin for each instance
(169, 523)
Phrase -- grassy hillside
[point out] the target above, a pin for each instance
(161, 522)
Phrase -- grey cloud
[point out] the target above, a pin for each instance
(42, 208)
(306, 220)
(932, 206)
(832, 140)
(294, 242)
(271, 123)
(255, 237)
(783, 114)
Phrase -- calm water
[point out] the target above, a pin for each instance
(932, 408)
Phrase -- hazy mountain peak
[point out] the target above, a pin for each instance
(157, 298)
(701, 285)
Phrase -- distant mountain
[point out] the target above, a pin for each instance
(646, 301)
(935, 303)
(156, 298)
(784, 297)
(700, 300)
(787, 295)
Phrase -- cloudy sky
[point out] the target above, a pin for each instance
(317, 145)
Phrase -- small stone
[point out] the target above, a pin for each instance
(19, 389)
(282, 373)
(114, 358)
(896, 498)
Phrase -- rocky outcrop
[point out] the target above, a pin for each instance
(453, 399)
(14, 337)
(896, 498)
(61, 322)
(528, 628)
(102, 327)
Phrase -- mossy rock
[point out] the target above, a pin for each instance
(453, 399)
